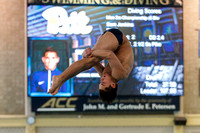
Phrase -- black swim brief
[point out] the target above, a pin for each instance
(118, 34)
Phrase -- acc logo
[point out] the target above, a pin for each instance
(58, 21)
(60, 103)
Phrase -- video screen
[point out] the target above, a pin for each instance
(155, 34)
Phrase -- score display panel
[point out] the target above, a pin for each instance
(155, 34)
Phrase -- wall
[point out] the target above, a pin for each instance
(191, 59)
(12, 57)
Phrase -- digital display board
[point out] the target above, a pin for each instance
(155, 33)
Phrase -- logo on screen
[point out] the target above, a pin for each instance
(58, 21)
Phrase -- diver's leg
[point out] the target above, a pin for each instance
(71, 71)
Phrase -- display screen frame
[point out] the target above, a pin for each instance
(75, 57)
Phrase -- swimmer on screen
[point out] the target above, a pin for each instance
(112, 46)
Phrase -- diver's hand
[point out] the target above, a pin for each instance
(87, 53)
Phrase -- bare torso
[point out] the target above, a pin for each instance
(123, 52)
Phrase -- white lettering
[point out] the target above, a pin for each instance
(89, 107)
(131, 107)
(111, 24)
(126, 24)
(112, 107)
(148, 91)
(135, 11)
(152, 11)
(151, 84)
(156, 77)
(161, 107)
